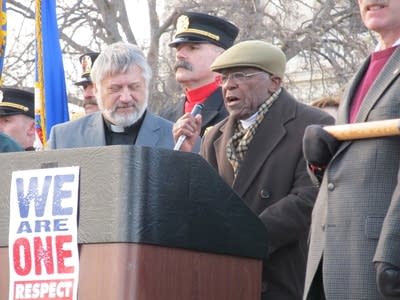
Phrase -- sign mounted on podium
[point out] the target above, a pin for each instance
(152, 224)
(43, 252)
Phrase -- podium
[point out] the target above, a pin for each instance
(153, 224)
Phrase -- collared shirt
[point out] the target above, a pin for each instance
(379, 46)
(122, 136)
(378, 61)
(249, 121)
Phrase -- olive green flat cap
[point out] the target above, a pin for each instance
(257, 54)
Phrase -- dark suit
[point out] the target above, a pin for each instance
(88, 131)
(213, 112)
(357, 213)
(274, 183)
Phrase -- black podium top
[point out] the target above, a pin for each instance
(146, 195)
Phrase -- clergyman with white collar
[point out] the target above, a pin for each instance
(121, 77)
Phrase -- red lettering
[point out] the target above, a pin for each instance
(22, 245)
(44, 255)
(63, 254)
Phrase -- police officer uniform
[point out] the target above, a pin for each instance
(86, 60)
(194, 27)
(16, 101)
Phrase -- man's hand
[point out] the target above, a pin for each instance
(388, 280)
(318, 146)
(189, 126)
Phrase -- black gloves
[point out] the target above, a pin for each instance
(388, 280)
(318, 145)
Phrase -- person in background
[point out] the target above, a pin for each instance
(7, 144)
(17, 116)
(257, 150)
(328, 104)
(121, 77)
(89, 100)
(355, 232)
(199, 39)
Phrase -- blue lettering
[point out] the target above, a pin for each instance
(42, 224)
(24, 227)
(60, 225)
(24, 200)
(60, 194)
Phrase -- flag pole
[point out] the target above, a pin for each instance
(40, 115)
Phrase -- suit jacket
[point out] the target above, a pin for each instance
(88, 131)
(273, 181)
(213, 112)
(357, 213)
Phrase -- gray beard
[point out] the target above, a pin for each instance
(124, 120)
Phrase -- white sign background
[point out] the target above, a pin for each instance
(43, 248)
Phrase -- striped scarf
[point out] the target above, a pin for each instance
(238, 144)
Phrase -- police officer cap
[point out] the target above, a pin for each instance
(257, 54)
(86, 60)
(193, 27)
(15, 101)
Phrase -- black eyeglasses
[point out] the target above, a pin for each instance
(238, 76)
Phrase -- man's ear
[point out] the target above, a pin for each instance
(96, 93)
(31, 128)
(95, 89)
(276, 83)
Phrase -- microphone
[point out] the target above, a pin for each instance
(195, 111)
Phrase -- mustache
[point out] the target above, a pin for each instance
(184, 65)
(118, 106)
(376, 2)
(89, 101)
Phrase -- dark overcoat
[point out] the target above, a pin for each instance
(274, 183)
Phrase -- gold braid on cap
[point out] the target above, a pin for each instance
(86, 63)
(202, 32)
(13, 105)
(182, 26)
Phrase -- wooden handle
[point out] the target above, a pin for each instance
(365, 130)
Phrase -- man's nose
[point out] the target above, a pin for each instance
(181, 53)
(125, 95)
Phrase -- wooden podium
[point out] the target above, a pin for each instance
(153, 224)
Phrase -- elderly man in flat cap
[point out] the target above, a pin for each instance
(17, 116)
(199, 39)
(89, 99)
(257, 150)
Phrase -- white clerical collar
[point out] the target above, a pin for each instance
(249, 121)
(378, 47)
(116, 128)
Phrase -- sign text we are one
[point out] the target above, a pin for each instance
(43, 234)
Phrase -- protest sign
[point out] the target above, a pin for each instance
(43, 249)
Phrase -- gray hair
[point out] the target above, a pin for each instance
(117, 58)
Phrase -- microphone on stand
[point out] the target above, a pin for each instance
(195, 111)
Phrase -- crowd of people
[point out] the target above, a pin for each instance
(330, 208)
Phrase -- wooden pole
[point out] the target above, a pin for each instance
(365, 130)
